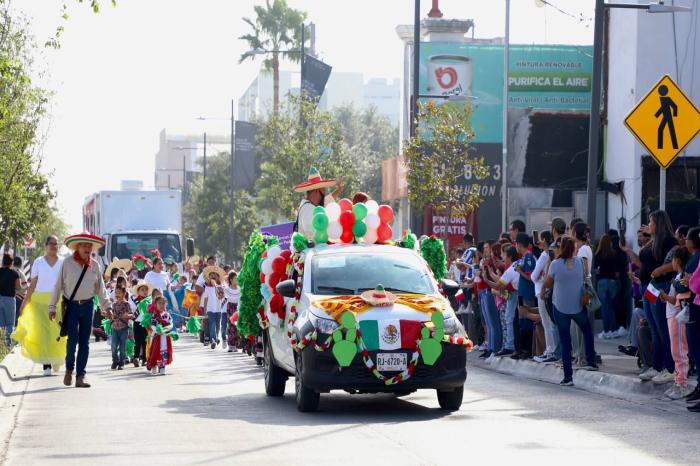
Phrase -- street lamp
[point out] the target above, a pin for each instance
(594, 128)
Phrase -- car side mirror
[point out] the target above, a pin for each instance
(190, 247)
(450, 287)
(287, 288)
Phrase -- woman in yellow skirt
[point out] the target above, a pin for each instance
(37, 335)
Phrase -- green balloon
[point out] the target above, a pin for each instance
(320, 237)
(360, 211)
(320, 222)
(359, 229)
(319, 210)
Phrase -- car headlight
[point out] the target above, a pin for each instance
(323, 325)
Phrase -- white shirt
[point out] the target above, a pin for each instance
(306, 216)
(159, 280)
(540, 272)
(511, 277)
(585, 252)
(209, 295)
(47, 275)
(233, 295)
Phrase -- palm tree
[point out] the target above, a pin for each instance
(277, 27)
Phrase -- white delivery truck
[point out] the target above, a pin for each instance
(134, 222)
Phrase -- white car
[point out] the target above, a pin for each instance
(349, 270)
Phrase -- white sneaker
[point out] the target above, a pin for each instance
(154, 370)
(621, 332)
(602, 335)
(161, 371)
(47, 372)
(663, 377)
(491, 358)
(224, 344)
(649, 374)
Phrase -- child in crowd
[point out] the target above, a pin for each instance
(675, 300)
(161, 347)
(233, 295)
(141, 291)
(507, 286)
(121, 315)
(211, 303)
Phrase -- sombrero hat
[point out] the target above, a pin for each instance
(73, 241)
(378, 297)
(313, 182)
(141, 284)
(124, 264)
(214, 269)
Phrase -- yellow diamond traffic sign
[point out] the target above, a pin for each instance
(664, 121)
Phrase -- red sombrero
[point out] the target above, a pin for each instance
(314, 182)
(73, 241)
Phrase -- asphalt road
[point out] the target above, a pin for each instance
(211, 409)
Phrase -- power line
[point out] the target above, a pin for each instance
(578, 17)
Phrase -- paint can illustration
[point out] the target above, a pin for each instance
(449, 75)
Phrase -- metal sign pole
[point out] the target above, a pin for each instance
(504, 155)
(662, 188)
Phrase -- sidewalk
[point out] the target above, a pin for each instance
(617, 376)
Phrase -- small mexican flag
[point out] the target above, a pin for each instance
(651, 294)
(460, 295)
(390, 334)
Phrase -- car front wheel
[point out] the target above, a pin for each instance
(275, 378)
(307, 399)
(451, 401)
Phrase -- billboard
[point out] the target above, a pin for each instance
(314, 76)
(546, 78)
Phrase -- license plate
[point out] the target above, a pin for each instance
(392, 361)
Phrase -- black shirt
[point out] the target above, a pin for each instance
(649, 262)
(610, 267)
(8, 279)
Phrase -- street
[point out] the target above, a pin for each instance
(211, 409)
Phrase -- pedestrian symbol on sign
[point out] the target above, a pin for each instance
(667, 105)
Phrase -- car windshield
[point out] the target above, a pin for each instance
(339, 274)
(126, 246)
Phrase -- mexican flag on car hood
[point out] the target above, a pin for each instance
(390, 334)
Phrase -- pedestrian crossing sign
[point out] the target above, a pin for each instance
(664, 121)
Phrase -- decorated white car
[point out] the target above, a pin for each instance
(364, 318)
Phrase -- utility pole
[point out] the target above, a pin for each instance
(232, 235)
(504, 154)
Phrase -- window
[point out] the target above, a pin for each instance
(126, 246)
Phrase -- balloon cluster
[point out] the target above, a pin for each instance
(343, 222)
(273, 269)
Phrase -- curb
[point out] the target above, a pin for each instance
(15, 371)
(613, 385)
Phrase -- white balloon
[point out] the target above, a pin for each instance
(333, 212)
(266, 267)
(273, 252)
(335, 229)
(371, 236)
(372, 221)
(372, 206)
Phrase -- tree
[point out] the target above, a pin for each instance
(25, 194)
(277, 27)
(287, 149)
(371, 138)
(52, 224)
(207, 215)
(438, 156)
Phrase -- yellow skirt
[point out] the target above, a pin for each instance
(38, 335)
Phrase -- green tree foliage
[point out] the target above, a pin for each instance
(288, 149)
(51, 224)
(276, 27)
(25, 194)
(207, 211)
(438, 155)
(371, 138)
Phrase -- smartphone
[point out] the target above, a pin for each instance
(535, 236)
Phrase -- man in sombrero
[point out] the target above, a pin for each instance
(79, 280)
(315, 189)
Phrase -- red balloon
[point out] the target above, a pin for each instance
(347, 219)
(386, 214)
(287, 254)
(264, 255)
(348, 236)
(277, 305)
(345, 205)
(275, 278)
(279, 265)
(384, 233)
(262, 277)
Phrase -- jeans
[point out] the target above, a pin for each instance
(660, 340)
(637, 315)
(607, 290)
(79, 326)
(563, 324)
(119, 345)
(551, 335)
(493, 321)
(7, 315)
(511, 312)
(217, 326)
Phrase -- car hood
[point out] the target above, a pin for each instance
(395, 311)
